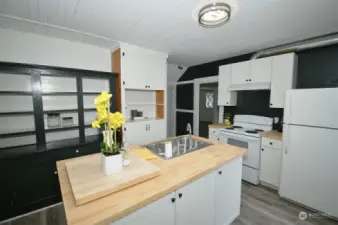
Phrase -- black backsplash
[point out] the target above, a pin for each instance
(254, 103)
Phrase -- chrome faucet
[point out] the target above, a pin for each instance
(189, 129)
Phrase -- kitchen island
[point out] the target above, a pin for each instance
(202, 187)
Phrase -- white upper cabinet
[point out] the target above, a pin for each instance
(132, 69)
(142, 68)
(156, 70)
(225, 97)
(260, 70)
(240, 72)
(283, 77)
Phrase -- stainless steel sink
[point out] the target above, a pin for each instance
(180, 145)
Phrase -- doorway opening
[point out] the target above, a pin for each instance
(208, 108)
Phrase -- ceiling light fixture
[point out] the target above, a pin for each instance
(214, 14)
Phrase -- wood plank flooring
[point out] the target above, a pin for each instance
(259, 206)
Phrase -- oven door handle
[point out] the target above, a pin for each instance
(236, 137)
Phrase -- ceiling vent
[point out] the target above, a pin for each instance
(214, 13)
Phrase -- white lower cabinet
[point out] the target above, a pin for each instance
(195, 202)
(271, 160)
(211, 200)
(160, 212)
(228, 187)
(214, 134)
(142, 132)
(270, 165)
(213, 137)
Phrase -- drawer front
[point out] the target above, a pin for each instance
(272, 143)
(214, 131)
(213, 137)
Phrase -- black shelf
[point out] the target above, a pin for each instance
(58, 93)
(60, 110)
(87, 125)
(15, 93)
(89, 109)
(24, 150)
(15, 134)
(16, 113)
(91, 93)
(48, 130)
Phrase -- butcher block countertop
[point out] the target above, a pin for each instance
(273, 135)
(217, 125)
(174, 174)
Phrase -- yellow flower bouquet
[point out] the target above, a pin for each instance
(110, 121)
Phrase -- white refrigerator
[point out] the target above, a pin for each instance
(309, 173)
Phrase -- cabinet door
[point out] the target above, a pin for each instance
(225, 97)
(228, 192)
(283, 78)
(260, 70)
(271, 160)
(156, 71)
(240, 72)
(157, 130)
(213, 137)
(195, 202)
(160, 212)
(133, 68)
(136, 133)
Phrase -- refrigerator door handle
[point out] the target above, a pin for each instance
(286, 140)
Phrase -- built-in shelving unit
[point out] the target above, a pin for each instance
(30, 97)
(149, 102)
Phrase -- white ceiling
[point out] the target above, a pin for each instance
(168, 25)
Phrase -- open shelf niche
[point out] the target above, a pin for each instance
(149, 102)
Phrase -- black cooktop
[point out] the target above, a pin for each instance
(251, 131)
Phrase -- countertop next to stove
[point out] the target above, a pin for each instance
(217, 125)
(273, 135)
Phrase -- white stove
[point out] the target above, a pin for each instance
(246, 132)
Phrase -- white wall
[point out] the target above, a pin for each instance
(173, 74)
(21, 47)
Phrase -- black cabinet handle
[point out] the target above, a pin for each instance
(124, 83)
(180, 195)
(270, 103)
(270, 143)
(217, 139)
(227, 103)
(173, 200)
(220, 172)
(246, 80)
(262, 149)
(249, 79)
(123, 54)
(124, 129)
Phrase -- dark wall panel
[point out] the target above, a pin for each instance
(318, 68)
(254, 103)
(182, 119)
(185, 96)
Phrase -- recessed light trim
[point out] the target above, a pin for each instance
(214, 14)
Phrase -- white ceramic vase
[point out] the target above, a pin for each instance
(105, 139)
(111, 164)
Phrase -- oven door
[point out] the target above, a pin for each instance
(252, 159)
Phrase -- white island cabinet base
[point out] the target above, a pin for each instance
(213, 199)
